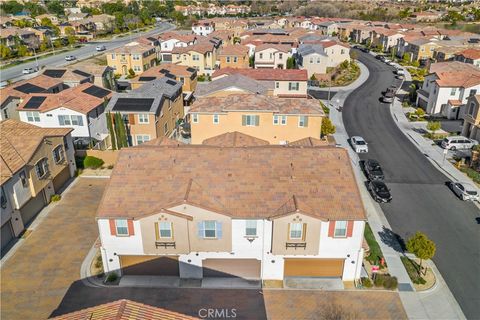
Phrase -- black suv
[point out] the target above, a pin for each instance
(379, 191)
(373, 171)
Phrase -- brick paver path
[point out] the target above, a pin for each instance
(35, 279)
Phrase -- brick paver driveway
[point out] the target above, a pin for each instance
(37, 276)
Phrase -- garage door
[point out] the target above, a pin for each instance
(150, 265)
(6, 234)
(239, 268)
(313, 267)
(32, 208)
(60, 179)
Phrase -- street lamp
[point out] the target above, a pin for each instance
(35, 56)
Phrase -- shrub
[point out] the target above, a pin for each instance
(379, 280)
(420, 112)
(98, 262)
(201, 78)
(390, 283)
(110, 166)
(112, 277)
(327, 127)
(367, 283)
(55, 198)
(92, 162)
(476, 148)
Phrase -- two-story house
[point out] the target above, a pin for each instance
(233, 84)
(132, 56)
(259, 212)
(471, 56)
(471, 117)
(234, 56)
(149, 112)
(12, 95)
(276, 120)
(80, 108)
(203, 27)
(35, 164)
(272, 56)
(447, 87)
(202, 56)
(316, 58)
(13, 36)
(170, 40)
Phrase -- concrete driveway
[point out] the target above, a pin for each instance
(38, 274)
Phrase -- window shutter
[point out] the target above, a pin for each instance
(131, 119)
(157, 236)
(305, 121)
(304, 231)
(219, 230)
(131, 231)
(244, 120)
(113, 228)
(200, 229)
(349, 228)
(257, 120)
(331, 229)
(289, 86)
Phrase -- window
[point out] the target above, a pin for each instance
(276, 120)
(342, 51)
(143, 118)
(293, 86)
(228, 59)
(209, 229)
(235, 59)
(251, 227)
(165, 128)
(280, 55)
(122, 227)
(33, 116)
(182, 80)
(141, 138)
(340, 229)
(277, 85)
(5, 113)
(23, 177)
(165, 229)
(113, 56)
(260, 55)
(136, 57)
(41, 168)
(137, 68)
(296, 231)
(4, 199)
(77, 120)
(216, 119)
(58, 155)
(195, 117)
(66, 120)
(250, 120)
(303, 121)
(311, 59)
(195, 57)
(471, 109)
(318, 60)
(453, 92)
(472, 92)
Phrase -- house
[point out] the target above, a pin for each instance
(447, 87)
(203, 28)
(53, 18)
(255, 212)
(426, 16)
(419, 47)
(35, 165)
(170, 40)
(272, 56)
(11, 96)
(201, 56)
(151, 111)
(80, 108)
(234, 56)
(316, 58)
(83, 28)
(103, 76)
(471, 123)
(10, 36)
(132, 56)
(153, 42)
(471, 56)
(289, 83)
(104, 23)
(70, 76)
(276, 120)
(185, 75)
(233, 84)
(77, 16)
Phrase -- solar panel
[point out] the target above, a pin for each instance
(191, 69)
(171, 76)
(83, 74)
(29, 88)
(146, 78)
(34, 102)
(172, 83)
(96, 91)
(133, 104)
(164, 71)
(54, 73)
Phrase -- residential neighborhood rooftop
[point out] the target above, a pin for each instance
(265, 74)
(455, 74)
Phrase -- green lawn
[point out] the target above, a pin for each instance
(412, 269)
(375, 251)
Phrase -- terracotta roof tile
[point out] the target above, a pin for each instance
(234, 139)
(39, 81)
(236, 49)
(265, 74)
(473, 54)
(159, 71)
(455, 74)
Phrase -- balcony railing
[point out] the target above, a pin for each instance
(296, 245)
(165, 245)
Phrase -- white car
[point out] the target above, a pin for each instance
(359, 144)
(29, 70)
(464, 191)
(399, 72)
(101, 48)
(458, 142)
(70, 58)
(388, 61)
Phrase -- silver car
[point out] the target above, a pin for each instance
(359, 144)
(464, 191)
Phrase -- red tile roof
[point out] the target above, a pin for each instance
(455, 74)
(473, 54)
(266, 74)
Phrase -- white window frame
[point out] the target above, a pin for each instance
(141, 138)
(292, 229)
(293, 86)
(42, 163)
(340, 228)
(283, 120)
(277, 85)
(215, 229)
(119, 224)
(61, 154)
(248, 122)
(250, 225)
(33, 116)
(453, 91)
(195, 118)
(136, 57)
(228, 59)
(235, 59)
(137, 68)
(195, 57)
(276, 120)
(161, 227)
(301, 121)
(216, 119)
(143, 118)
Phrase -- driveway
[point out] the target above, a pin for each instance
(421, 201)
(37, 276)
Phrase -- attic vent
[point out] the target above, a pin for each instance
(229, 174)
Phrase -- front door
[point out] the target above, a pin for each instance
(124, 70)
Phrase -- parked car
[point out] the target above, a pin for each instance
(389, 94)
(101, 48)
(359, 145)
(464, 191)
(458, 142)
(379, 191)
(29, 70)
(373, 171)
(70, 58)
(399, 72)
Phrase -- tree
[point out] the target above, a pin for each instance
(71, 40)
(313, 78)
(251, 61)
(407, 57)
(11, 7)
(110, 129)
(46, 22)
(433, 126)
(69, 31)
(5, 51)
(416, 64)
(22, 50)
(56, 7)
(291, 63)
(327, 127)
(43, 45)
(422, 247)
(131, 73)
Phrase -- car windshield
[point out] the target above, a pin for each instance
(472, 192)
(381, 187)
(360, 142)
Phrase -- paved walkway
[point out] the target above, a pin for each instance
(438, 303)
(36, 276)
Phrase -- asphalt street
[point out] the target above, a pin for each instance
(86, 51)
(421, 200)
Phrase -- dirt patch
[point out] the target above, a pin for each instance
(96, 268)
(429, 279)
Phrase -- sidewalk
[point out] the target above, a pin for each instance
(437, 303)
